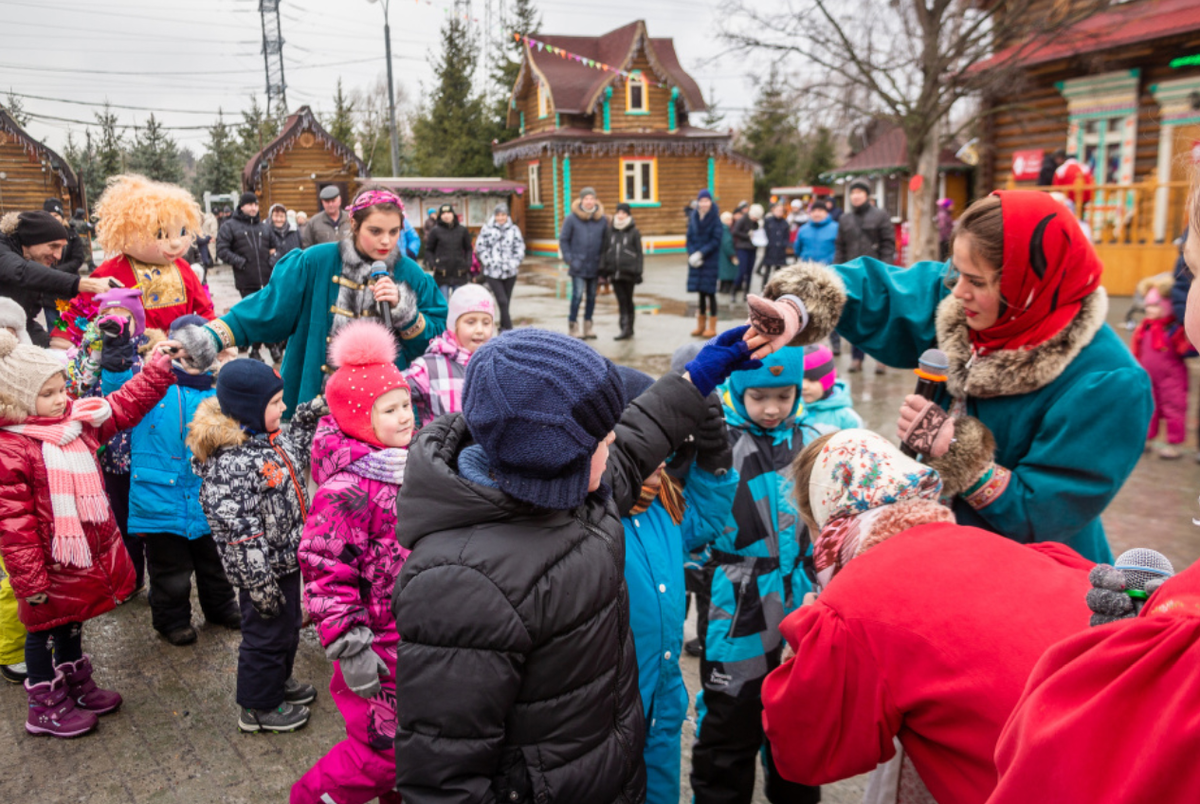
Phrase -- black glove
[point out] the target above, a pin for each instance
(116, 344)
(713, 453)
(1107, 598)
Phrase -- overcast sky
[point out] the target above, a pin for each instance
(187, 58)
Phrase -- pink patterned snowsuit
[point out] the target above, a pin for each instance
(349, 546)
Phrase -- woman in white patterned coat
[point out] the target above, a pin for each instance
(500, 248)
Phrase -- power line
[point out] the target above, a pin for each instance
(110, 105)
(93, 123)
(107, 13)
(77, 71)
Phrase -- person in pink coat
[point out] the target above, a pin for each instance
(350, 560)
(1160, 344)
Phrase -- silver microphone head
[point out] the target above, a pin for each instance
(934, 361)
(378, 268)
(1141, 565)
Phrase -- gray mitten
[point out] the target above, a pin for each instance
(361, 666)
(267, 600)
(201, 344)
(404, 311)
(1108, 598)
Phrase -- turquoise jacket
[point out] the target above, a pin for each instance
(295, 306)
(835, 412)
(1070, 444)
(655, 551)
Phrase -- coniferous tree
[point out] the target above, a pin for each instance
(714, 116)
(819, 155)
(110, 147)
(154, 153)
(82, 157)
(524, 19)
(255, 131)
(452, 132)
(16, 110)
(219, 170)
(340, 124)
(771, 137)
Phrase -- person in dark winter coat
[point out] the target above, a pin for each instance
(244, 242)
(448, 251)
(581, 243)
(778, 235)
(704, 233)
(747, 252)
(73, 258)
(622, 263)
(866, 232)
(284, 237)
(727, 268)
(516, 675)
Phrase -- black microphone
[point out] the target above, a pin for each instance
(931, 373)
(1140, 566)
(379, 268)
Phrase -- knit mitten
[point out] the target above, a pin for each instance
(719, 358)
(924, 427)
(1108, 599)
(361, 666)
(116, 344)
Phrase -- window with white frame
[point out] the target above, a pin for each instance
(535, 184)
(1102, 148)
(635, 93)
(638, 181)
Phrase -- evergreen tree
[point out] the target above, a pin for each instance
(524, 19)
(255, 131)
(82, 157)
(452, 134)
(220, 169)
(110, 150)
(771, 137)
(341, 123)
(819, 156)
(714, 116)
(154, 154)
(16, 110)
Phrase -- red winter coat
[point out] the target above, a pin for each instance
(928, 636)
(1110, 714)
(27, 520)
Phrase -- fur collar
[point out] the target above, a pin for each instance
(355, 263)
(212, 431)
(1013, 372)
(597, 213)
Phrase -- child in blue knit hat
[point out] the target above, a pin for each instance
(752, 586)
(516, 672)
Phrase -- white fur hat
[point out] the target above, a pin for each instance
(13, 315)
(23, 371)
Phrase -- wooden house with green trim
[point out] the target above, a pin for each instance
(612, 112)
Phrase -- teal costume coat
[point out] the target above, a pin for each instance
(295, 306)
(1069, 416)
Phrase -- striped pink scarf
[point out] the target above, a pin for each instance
(76, 488)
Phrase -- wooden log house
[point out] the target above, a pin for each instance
(627, 134)
(30, 172)
(293, 168)
(1121, 91)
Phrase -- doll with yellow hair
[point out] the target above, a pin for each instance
(146, 227)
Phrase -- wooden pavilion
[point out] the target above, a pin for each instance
(30, 172)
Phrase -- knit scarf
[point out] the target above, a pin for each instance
(76, 489)
(668, 492)
(385, 465)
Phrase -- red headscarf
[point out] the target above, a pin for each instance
(1049, 268)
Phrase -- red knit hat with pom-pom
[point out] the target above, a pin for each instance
(365, 354)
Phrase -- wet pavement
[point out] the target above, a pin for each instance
(175, 739)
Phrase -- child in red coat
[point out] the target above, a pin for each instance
(1159, 344)
(58, 536)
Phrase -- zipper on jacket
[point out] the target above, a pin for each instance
(292, 474)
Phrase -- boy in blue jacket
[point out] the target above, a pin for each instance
(164, 506)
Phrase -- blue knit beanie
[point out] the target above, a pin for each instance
(633, 382)
(704, 194)
(539, 403)
(245, 388)
(782, 368)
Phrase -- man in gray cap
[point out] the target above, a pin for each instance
(329, 225)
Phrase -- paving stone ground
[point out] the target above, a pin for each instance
(175, 741)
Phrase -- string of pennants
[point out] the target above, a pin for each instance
(575, 57)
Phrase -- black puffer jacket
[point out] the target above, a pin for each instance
(516, 679)
(622, 258)
(777, 240)
(245, 243)
(741, 230)
(448, 253)
(865, 231)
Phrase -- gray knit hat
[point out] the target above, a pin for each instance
(23, 371)
(586, 191)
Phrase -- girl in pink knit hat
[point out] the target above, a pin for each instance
(350, 560)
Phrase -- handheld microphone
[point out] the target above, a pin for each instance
(1140, 566)
(931, 373)
(378, 269)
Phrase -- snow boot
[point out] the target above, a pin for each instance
(53, 712)
(699, 330)
(588, 334)
(573, 329)
(83, 690)
(711, 330)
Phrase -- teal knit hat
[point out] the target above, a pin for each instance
(779, 369)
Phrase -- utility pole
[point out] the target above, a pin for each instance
(272, 48)
(387, 42)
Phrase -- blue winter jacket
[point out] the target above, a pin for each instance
(582, 240)
(704, 235)
(164, 493)
(835, 411)
(411, 240)
(816, 241)
(655, 551)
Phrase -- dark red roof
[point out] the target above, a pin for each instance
(575, 87)
(1126, 24)
(890, 152)
(450, 186)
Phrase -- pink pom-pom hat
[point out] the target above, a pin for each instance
(365, 354)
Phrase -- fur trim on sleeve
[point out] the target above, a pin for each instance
(821, 290)
(973, 450)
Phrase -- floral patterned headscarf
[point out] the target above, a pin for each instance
(857, 475)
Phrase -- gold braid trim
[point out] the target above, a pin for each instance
(223, 332)
(416, 329)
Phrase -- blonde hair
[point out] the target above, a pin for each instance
(134, 208)
(801, 471)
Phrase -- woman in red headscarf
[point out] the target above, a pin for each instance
(1043, 412)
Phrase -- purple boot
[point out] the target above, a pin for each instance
(84, 691)
(53, 712)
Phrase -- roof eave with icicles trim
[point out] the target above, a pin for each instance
(300, 121)
(549, 144)
(10, 126)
